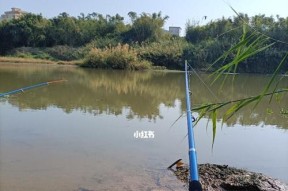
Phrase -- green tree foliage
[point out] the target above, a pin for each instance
(145, 28)
(29, 30)
(64, 31)
(167, 53)
(209, 42)
(35, 31)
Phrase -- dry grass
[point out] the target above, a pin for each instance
(118, 57)
(26, 60)
(74, 62)
(38, 61)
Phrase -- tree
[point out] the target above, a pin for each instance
(29, 30)
(145, 28)
(210, 41)
(65, 30)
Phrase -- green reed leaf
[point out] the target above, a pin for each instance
(214, 121)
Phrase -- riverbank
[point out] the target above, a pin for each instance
(224, 178)
(80, 63)
(4, 59)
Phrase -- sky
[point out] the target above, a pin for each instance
(179, 12)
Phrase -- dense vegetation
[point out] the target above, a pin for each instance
(106, 41)
(210, 41)
(119, 57)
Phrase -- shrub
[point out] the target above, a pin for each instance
(66, 53)
(96, 58)
(167, 53)
(29, 52)
(103, 42)
(118, 57)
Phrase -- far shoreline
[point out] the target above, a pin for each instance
(17, 60)
(6, 60)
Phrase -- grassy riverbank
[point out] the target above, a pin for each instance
(8, 59)
(79, 63)
(156, 55)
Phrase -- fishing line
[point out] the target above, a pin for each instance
(202, 81)
(182, 115)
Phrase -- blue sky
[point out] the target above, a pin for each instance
(179, 12)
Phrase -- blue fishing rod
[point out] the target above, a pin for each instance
(194, 184)
(29, 88)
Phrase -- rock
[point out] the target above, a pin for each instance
(223, 178)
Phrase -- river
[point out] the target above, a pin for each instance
(87, 133)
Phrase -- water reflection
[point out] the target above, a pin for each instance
(108, 92)
(79, 134)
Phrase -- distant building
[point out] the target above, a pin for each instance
(15, 13)
(175, 31)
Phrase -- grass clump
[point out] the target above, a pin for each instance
(118, 57)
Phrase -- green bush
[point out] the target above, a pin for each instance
(29, 52)
(65, 53)
(167, 53)
(118, 57)
(103, 42)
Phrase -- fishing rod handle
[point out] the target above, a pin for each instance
(195, 185)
